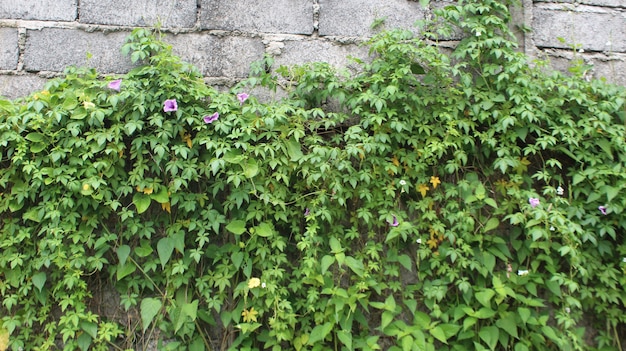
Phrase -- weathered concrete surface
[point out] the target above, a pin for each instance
(9, 49)
(218, 56)
(297, 52)
(594, 28)
(610, 67)
(47, 10)
(355, 17)
(139, 13)
(53, 49)
(13, 86)
(610, 3)
(262, 16)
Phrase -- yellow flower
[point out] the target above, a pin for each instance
(254, 282)
(166, 207)
(435, 181)
(249, 315)
(423, 188)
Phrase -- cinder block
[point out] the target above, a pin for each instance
(258, 16)
(355, 17)
(611, 3)
(298, 52)
(17, 86)
(9, 49)
(613, 70)
(215, 56)
(594, 28)
(169, 14)
(45, 10)
(53, 49)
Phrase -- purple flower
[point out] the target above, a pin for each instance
(534, 202)
(242, 97)
(307, 212)
(170, 105)
(115, 84)
(602, 209)
(212, 118)
(395, 221)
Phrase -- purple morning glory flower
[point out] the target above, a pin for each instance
(242, 97)
(395, 221)
(115, 84)
(307, 212)
(212, 118)
(602, 209)
(170, 105)
(534, 202)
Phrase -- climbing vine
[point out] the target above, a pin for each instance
(428, 202)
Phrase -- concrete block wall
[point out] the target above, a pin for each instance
(39, 38)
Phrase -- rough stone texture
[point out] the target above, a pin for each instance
(218, 56)
(611, 3)
(611, 67)
(53, 49)
(222, 37)
(47, 10)
(170, 14)
(303, 51)
(9, 48)
(595, 28)
(355, 17)
(14, 86)
(264, 16)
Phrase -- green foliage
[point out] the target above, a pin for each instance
(390, 209)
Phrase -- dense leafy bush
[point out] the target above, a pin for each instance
(462, 202)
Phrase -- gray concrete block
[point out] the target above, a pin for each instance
(9, 50)
(215, 56)
(611, 3)
(596, 29)
(169, 14)
(297, 52)
(610, 67)
(258, 16)
(53, 49)
(16, 86)
(355, 17)
(50, 10)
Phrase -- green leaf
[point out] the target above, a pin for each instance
(327, 261)
(294, 150)
(508, 324)
(142, 202)
(35, 137)
(165, 248)
(490, 336)
(355, 265)
(84, 341)
(439, 334)
(236, 227)
(149, 308)
(484, 297)
(264, 230)
(125, 270)
(250, 168)
(39, 280)
(122, 254)
(319, 333)
(90, 328)
(491, 224)
(162, 196)
(233, 156)
(346, 338)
